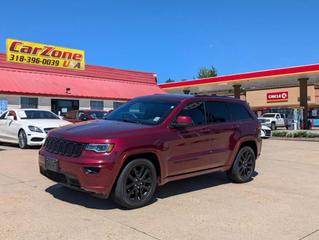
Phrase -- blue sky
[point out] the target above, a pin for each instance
(172, 38)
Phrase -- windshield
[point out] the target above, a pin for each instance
(262, 120)
(269, 115)
(149, 112)
(94, 115)
(36, 114)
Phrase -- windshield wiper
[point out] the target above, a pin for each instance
(131, 120)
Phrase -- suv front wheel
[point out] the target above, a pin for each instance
(243, 166)
(136, 184)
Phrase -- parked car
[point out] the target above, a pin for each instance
(265, 132)
(28, 127)
(84, 115)
(274, 120)
(153, 140)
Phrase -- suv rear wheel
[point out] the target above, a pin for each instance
(136, 184)
(243, 166)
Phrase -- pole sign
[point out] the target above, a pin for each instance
(277, 96)
(44, 55)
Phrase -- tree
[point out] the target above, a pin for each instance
(169, 80)
(205, 72)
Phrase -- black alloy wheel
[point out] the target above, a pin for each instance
(243, 166)
(273, 126)
(136, 184)
(22, 139)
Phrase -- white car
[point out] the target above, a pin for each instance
(265, 132)
(28, 127)
(274, 120)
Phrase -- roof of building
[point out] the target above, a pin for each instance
(271, 76)
(94, 82)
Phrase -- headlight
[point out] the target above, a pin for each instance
(34, 129)
(99, 147)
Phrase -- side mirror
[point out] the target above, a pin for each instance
(11, 118)
(182, 121)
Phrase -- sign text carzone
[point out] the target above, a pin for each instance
(44, 55)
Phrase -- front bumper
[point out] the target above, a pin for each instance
(35, 138)
(72, 172)
(266, 133)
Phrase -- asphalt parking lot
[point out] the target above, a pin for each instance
(280, 203)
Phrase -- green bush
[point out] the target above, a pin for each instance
(297, 134)
(279, 134)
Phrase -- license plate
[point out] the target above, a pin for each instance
(51, 164)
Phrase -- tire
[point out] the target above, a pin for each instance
(136, 184)
(273, 126)
(22, 137)
(243, 166)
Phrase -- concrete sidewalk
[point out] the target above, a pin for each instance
(280, 203)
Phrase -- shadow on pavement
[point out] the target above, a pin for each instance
(194, 184)
(65, 194)
(6, 146)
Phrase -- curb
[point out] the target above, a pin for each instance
(295, 139)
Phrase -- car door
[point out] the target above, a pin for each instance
(189, 148)
(12, 127)
(222, 130)
(3, 121)
(279, 120)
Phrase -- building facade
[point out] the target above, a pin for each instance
(61, 90)
(293, 91)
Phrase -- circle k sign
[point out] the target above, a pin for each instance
(277, 96)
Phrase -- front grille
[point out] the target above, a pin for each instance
(64, 147)
(48, 129)
(267, 132)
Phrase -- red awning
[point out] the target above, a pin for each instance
(24, 82)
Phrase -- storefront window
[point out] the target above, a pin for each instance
(96, 105)
(117, 104)
(29, 102)
(3, 105)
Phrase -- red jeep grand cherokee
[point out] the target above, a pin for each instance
(153, 140)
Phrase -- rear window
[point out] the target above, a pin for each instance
(239, 112)
(217, 112)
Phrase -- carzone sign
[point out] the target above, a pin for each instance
(277, 96)
(44, 55)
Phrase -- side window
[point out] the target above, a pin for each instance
(3, 115)
(217, 112)
(239, 112)
(195, 111)
(12, 113)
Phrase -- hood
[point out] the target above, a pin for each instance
(98, 130)
(45, 123)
